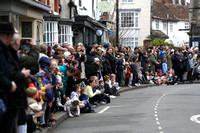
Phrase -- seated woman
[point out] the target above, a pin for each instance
(96, 96)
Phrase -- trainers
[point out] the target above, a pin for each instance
(70, 115)
(111, 96)
(129, 86)
(136, 85)
(102, 103)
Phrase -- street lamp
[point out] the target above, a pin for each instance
(117, 23)
(193, 24)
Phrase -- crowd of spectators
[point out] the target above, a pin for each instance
(37, 80)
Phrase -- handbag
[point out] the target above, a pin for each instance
(99, 75)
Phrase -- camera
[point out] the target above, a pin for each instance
(82, 50)
(33, 78)
(25, 44)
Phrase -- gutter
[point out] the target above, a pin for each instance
(37, 4)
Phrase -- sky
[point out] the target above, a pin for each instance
(188, 1)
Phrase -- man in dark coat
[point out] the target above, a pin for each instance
(111, 59)
(18, 98)
(8, 118)
(90, 59)
(106, 66)
(177, 64)
(120, 68)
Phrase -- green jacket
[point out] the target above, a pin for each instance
(31, 59)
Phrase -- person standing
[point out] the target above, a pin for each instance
(111, 59)
(18, 98)
(120, 68)
(7, 87)
(90, 59)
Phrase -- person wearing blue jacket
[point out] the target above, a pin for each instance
(164, 65)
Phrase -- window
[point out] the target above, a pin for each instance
(129, 19)
(171, 27)
(164, 26)
(132, 42)
(65, 34)
(50, 35)
(27, 29)
(186, 25)
(126, 1)
(157, 24)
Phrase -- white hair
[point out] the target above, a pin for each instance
(14, 38)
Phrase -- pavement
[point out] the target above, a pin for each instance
(62, 116)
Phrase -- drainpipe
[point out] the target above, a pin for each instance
(167, 23)
(117, 23)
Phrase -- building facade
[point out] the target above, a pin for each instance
(134, 22)
(172, 18)
(26, 16)
(194, 23)
(55, 21)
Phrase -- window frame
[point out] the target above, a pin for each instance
(157, 25)
(127, 1)
(50, 34)
(171, 27)
(67, 35)
(165, 26)
(186, 25)
(129, 19)
(130, 41)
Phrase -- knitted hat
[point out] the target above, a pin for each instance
(106, 45)
(96, 59)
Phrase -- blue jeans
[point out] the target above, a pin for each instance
(88, 105)
(42, 118)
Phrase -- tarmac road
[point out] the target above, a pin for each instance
(160, 109)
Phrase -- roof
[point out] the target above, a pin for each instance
(159, 33)
(169, 11)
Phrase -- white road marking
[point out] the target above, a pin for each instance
(195, 118)
(104, 110)
(156, 112)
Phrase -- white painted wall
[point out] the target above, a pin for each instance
(88, 5)
(144, 18)
(178, 38)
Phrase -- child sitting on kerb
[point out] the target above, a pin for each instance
(72, 106)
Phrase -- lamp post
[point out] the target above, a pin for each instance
(193, 24)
